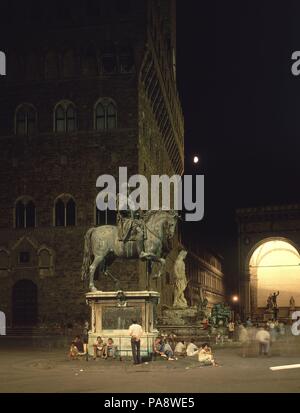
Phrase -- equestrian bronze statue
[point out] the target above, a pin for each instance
(147, 238)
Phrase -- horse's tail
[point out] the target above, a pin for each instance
(87, 255)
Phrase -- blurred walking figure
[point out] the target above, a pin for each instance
(244, 339)
(231, 328)
(272, 329)
(263, 338)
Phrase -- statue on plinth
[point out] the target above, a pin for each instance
(269, 302)
(202, 305)
(292, 304)
(180, 281)
(274, 299)
(148, 238)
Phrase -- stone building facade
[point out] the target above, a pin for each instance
(89, 88)
(258, 227)
(204, 272)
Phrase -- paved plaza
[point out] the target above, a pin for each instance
(32, 370)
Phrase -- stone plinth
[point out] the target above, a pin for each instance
(178, 316)
(112, 313)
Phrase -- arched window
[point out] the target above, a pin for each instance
(105, 114)
(65, 211)
(45, 261)
(107, 217)
(25, 213)
(4, 260)
(25, 122)
(65, 117)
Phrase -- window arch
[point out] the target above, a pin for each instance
(46, 258)
(105, 114)
(64, 211)
(25, 213)
(65, 117)
(25, 119)
(107, 217)
(4, 259)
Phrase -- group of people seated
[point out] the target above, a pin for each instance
(204, 353)
(104, 350)
(101, 349)
(166, 347)
(162, 347)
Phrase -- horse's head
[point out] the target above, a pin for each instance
(172, 217)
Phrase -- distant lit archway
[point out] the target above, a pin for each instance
(275, 266)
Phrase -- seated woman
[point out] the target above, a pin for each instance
(73, 353)
(205, 356)
(99, 347)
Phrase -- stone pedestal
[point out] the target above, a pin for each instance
(184, 322)
(268, 315)
(112, 313)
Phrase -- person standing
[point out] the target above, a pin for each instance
(263, 337)
(136, 331)
(85, 338)
(231, 328)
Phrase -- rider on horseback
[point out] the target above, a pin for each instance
(128, 219)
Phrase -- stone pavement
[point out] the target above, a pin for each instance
(44, 371)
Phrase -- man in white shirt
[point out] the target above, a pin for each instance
(136, 331)
(192, 349)
(263, 337)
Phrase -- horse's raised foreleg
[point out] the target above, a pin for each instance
(92, 270)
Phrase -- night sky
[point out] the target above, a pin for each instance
(242, 109)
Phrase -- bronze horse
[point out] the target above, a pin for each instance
(102, 244)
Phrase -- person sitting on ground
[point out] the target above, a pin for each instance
(192, 349)
(172, 340)
(99, 347)
(167, 350)
(73, 353)
(180, 349)
(110, 349)
(205, 356)
(79, 344)
(158, 347)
